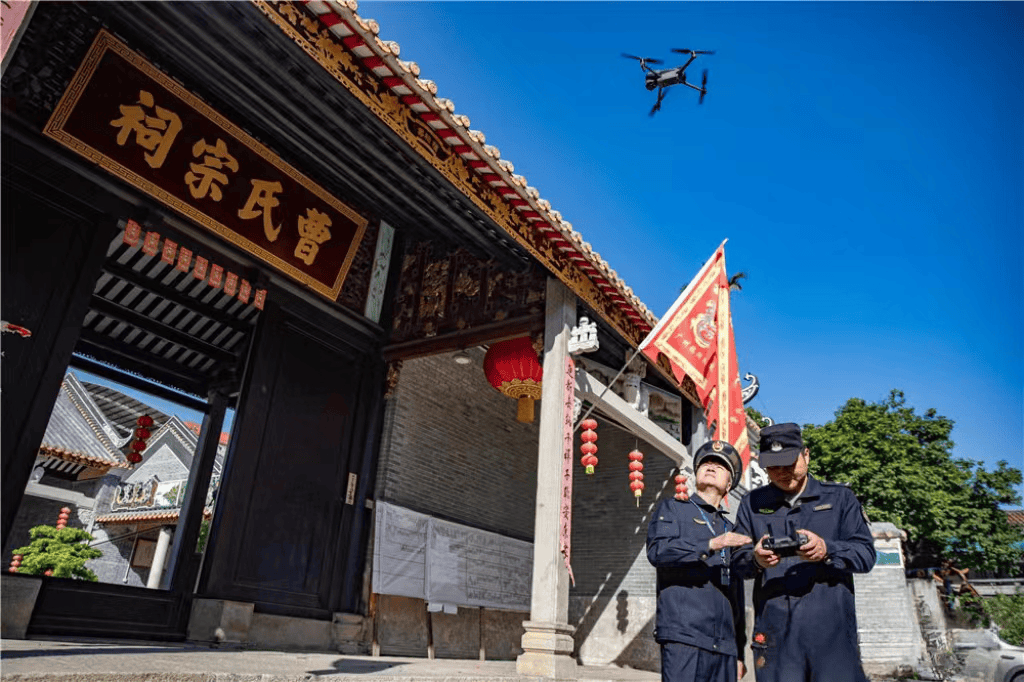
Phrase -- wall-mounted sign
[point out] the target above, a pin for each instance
(132, 120)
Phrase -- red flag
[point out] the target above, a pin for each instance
(696, 337)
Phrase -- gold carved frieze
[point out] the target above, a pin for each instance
(327, 50)
(450, 292)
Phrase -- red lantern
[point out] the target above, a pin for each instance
(48, 572)
(15, 562)
(681, 493)
(636, 476)
(62, 518)
(142, 434)
(589, 447)
(512, 368)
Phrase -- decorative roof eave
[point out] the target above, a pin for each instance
(338, 34)
(130, 517)
(79, 458)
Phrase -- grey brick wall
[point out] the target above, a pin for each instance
(609, 531)
(613, 602)
(452, 448)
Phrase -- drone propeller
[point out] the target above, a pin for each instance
(703, 87)
(648, 60)
(680, 51)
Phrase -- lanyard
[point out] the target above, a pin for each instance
(725, 550)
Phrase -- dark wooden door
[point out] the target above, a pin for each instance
(281, 538)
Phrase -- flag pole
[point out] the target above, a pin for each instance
(606, 388)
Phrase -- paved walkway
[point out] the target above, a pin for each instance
(99, 661)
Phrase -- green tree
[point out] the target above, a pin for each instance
(758, 418)
(1006, 611)
(58, 550)
(901, 466)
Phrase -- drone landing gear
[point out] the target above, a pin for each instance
(657, 105)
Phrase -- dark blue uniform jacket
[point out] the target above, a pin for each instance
(694, 607)
(798, 601)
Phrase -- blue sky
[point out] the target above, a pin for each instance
(863, 159)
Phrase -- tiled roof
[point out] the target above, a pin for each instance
(380, 57)
(195, 428)
(78, 431)
(144, 516)
(1015, 517)
(120, 409)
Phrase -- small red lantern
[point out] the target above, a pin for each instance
(512, 368)
(589, 447)
(62, 518)
(48, 572)
(15, 562)
(142, 434)
(636, 476)
(681, 493)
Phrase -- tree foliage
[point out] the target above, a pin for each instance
(901, 466)
(758, 418)
(58, 550)
(1005, 611)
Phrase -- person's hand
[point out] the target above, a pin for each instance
(814, 549)
(729, 539)
(741, 670)
(765, 558)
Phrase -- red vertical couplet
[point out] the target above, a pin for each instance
(565, 510)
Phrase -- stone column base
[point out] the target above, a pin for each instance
(547, 651)
(219, 620)
(348, 633)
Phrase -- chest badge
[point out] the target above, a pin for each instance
(765, 510)
(823, 507)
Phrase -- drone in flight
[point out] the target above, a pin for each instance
(663, 78)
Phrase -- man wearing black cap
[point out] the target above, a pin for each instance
(805, 627)
(700, 623)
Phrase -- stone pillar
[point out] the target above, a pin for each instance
(156, 571)
(548, 640)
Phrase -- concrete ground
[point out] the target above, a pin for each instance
(102, 661)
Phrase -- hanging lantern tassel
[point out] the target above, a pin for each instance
(681, 493)
(589, 447)
(636, 476)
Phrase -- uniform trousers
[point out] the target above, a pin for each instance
(805, 655)
(685, 663)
